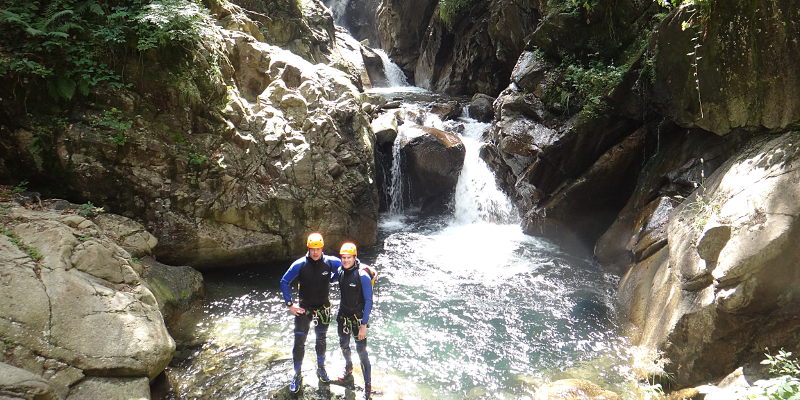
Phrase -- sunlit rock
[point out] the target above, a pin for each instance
(726, 286)
(71, 281)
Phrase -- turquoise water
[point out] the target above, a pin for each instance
(462, 310)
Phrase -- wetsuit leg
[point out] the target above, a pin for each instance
(344, 343)
(301, 325)
(366, 367)
(322, 333)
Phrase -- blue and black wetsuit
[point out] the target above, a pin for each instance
(354, 310)
(314, 278)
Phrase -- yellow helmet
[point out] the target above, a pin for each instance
(315, 241)
(349, 248)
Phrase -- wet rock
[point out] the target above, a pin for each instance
(432, 162)
(385, 129)
(479, 51)
(174, 287)
(375, 68)
(684, 160)
(573, 389)
(401, 26)
(599, 186)
(481, 107)
(446, 111)
(529, 72)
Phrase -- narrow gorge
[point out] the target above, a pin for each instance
(565, 199)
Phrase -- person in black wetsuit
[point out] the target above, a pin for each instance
(355, 283)
(314, 272)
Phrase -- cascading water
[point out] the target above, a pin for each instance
(477, 196)
(338, 8)
(394, 74)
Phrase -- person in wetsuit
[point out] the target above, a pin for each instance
(314, 272)
(355, 284)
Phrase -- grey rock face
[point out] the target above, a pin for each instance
(481, 107)
(726, 285)
(401, 26)
(743, 83)
(273, 147)
(478, 52)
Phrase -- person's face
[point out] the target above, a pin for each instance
(315, 254)
(348, 260)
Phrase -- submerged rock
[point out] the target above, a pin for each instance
(574, 389)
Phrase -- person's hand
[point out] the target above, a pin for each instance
(296, 310)
(362, 332)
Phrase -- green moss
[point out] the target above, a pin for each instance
(449, 9)
(31, 251)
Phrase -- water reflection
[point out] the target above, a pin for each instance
(468, 311)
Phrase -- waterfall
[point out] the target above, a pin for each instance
(338, 8)
(396, 188)
(394, 74)
(477, 198)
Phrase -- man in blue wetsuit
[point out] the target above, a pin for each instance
(314, 272)
(355, 284)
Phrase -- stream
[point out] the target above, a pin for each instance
(467, 306)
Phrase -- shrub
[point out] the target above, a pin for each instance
(449, 9)
(71, 46)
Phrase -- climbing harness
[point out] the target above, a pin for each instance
(351, 325)
(321, 315)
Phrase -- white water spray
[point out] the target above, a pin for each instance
(394, 74)
(338, 8)
(477, 198)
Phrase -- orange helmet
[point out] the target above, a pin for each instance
(315, 241)
(349, 248)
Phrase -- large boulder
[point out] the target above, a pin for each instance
(746, 69)
(432, 161)
(65, 280)
(726, 286)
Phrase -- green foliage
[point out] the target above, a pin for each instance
(787, 384)
(197, 159)
(116, 122)
(71, 46)
(31, 251)
(584, 87)
(449, 9)
(88, 209)
(782, 364)
(20, 187)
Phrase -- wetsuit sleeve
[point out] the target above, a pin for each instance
(366, 289)
(290, 275)
(336, 267)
